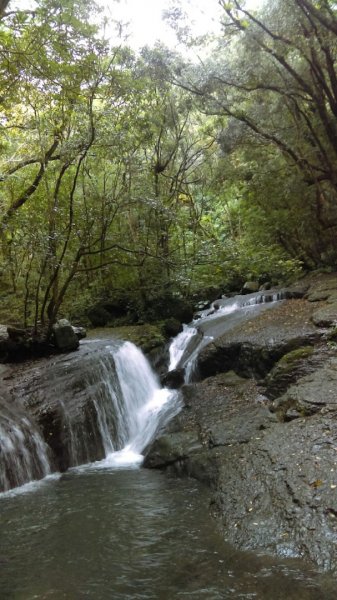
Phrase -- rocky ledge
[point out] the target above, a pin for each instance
(20, 343)
(260, 428)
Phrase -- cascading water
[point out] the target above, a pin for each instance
(140, 406)
(23, 453)
(209, 324)
(104, 402)
(107, 403)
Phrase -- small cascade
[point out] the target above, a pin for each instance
(146, 406)
(129, 402)
(179, 345)
(24, 455)
(220, 317)
(185, 348)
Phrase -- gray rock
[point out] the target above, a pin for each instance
(173, 379)
(289, 368)
(65, 338)
(325, 316)
(173, 447)
(250, 287)
(318, 295)
(274, 485)
(321, 286)
(239, 430)
(286, 482)
(313, 391)
(80, 332)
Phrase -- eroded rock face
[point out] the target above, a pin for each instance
(286, 481)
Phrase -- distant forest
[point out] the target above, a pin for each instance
(133, 175)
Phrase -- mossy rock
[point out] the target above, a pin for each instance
(172, 327)
(287, 370)
(292, 357)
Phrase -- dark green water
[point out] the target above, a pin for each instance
(132, 534)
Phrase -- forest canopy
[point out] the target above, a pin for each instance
(132, 176)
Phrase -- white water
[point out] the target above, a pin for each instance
(179, 345)
(129, 403)
(191, 339)
(211, 323)
(23, 453)
(146, 407)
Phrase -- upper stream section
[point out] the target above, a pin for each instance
(222, 316)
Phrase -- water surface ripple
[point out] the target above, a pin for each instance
(120, 534)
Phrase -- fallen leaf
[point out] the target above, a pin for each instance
(317, 483)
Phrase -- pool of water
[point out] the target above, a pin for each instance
(124, 534)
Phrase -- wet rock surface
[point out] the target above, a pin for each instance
(252, 348)
(260, 429)
(63, 396)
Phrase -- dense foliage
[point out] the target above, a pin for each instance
(130, 178)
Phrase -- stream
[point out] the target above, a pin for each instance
(119, 534)
(109, 529)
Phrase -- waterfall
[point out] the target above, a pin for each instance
(210, 323)
(23, 453)
(103, 403)
(179, 345)
(140, 407)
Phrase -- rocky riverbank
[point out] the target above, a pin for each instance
(260, 427)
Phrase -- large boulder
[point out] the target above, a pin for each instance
(64, 336)
(250, 286)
